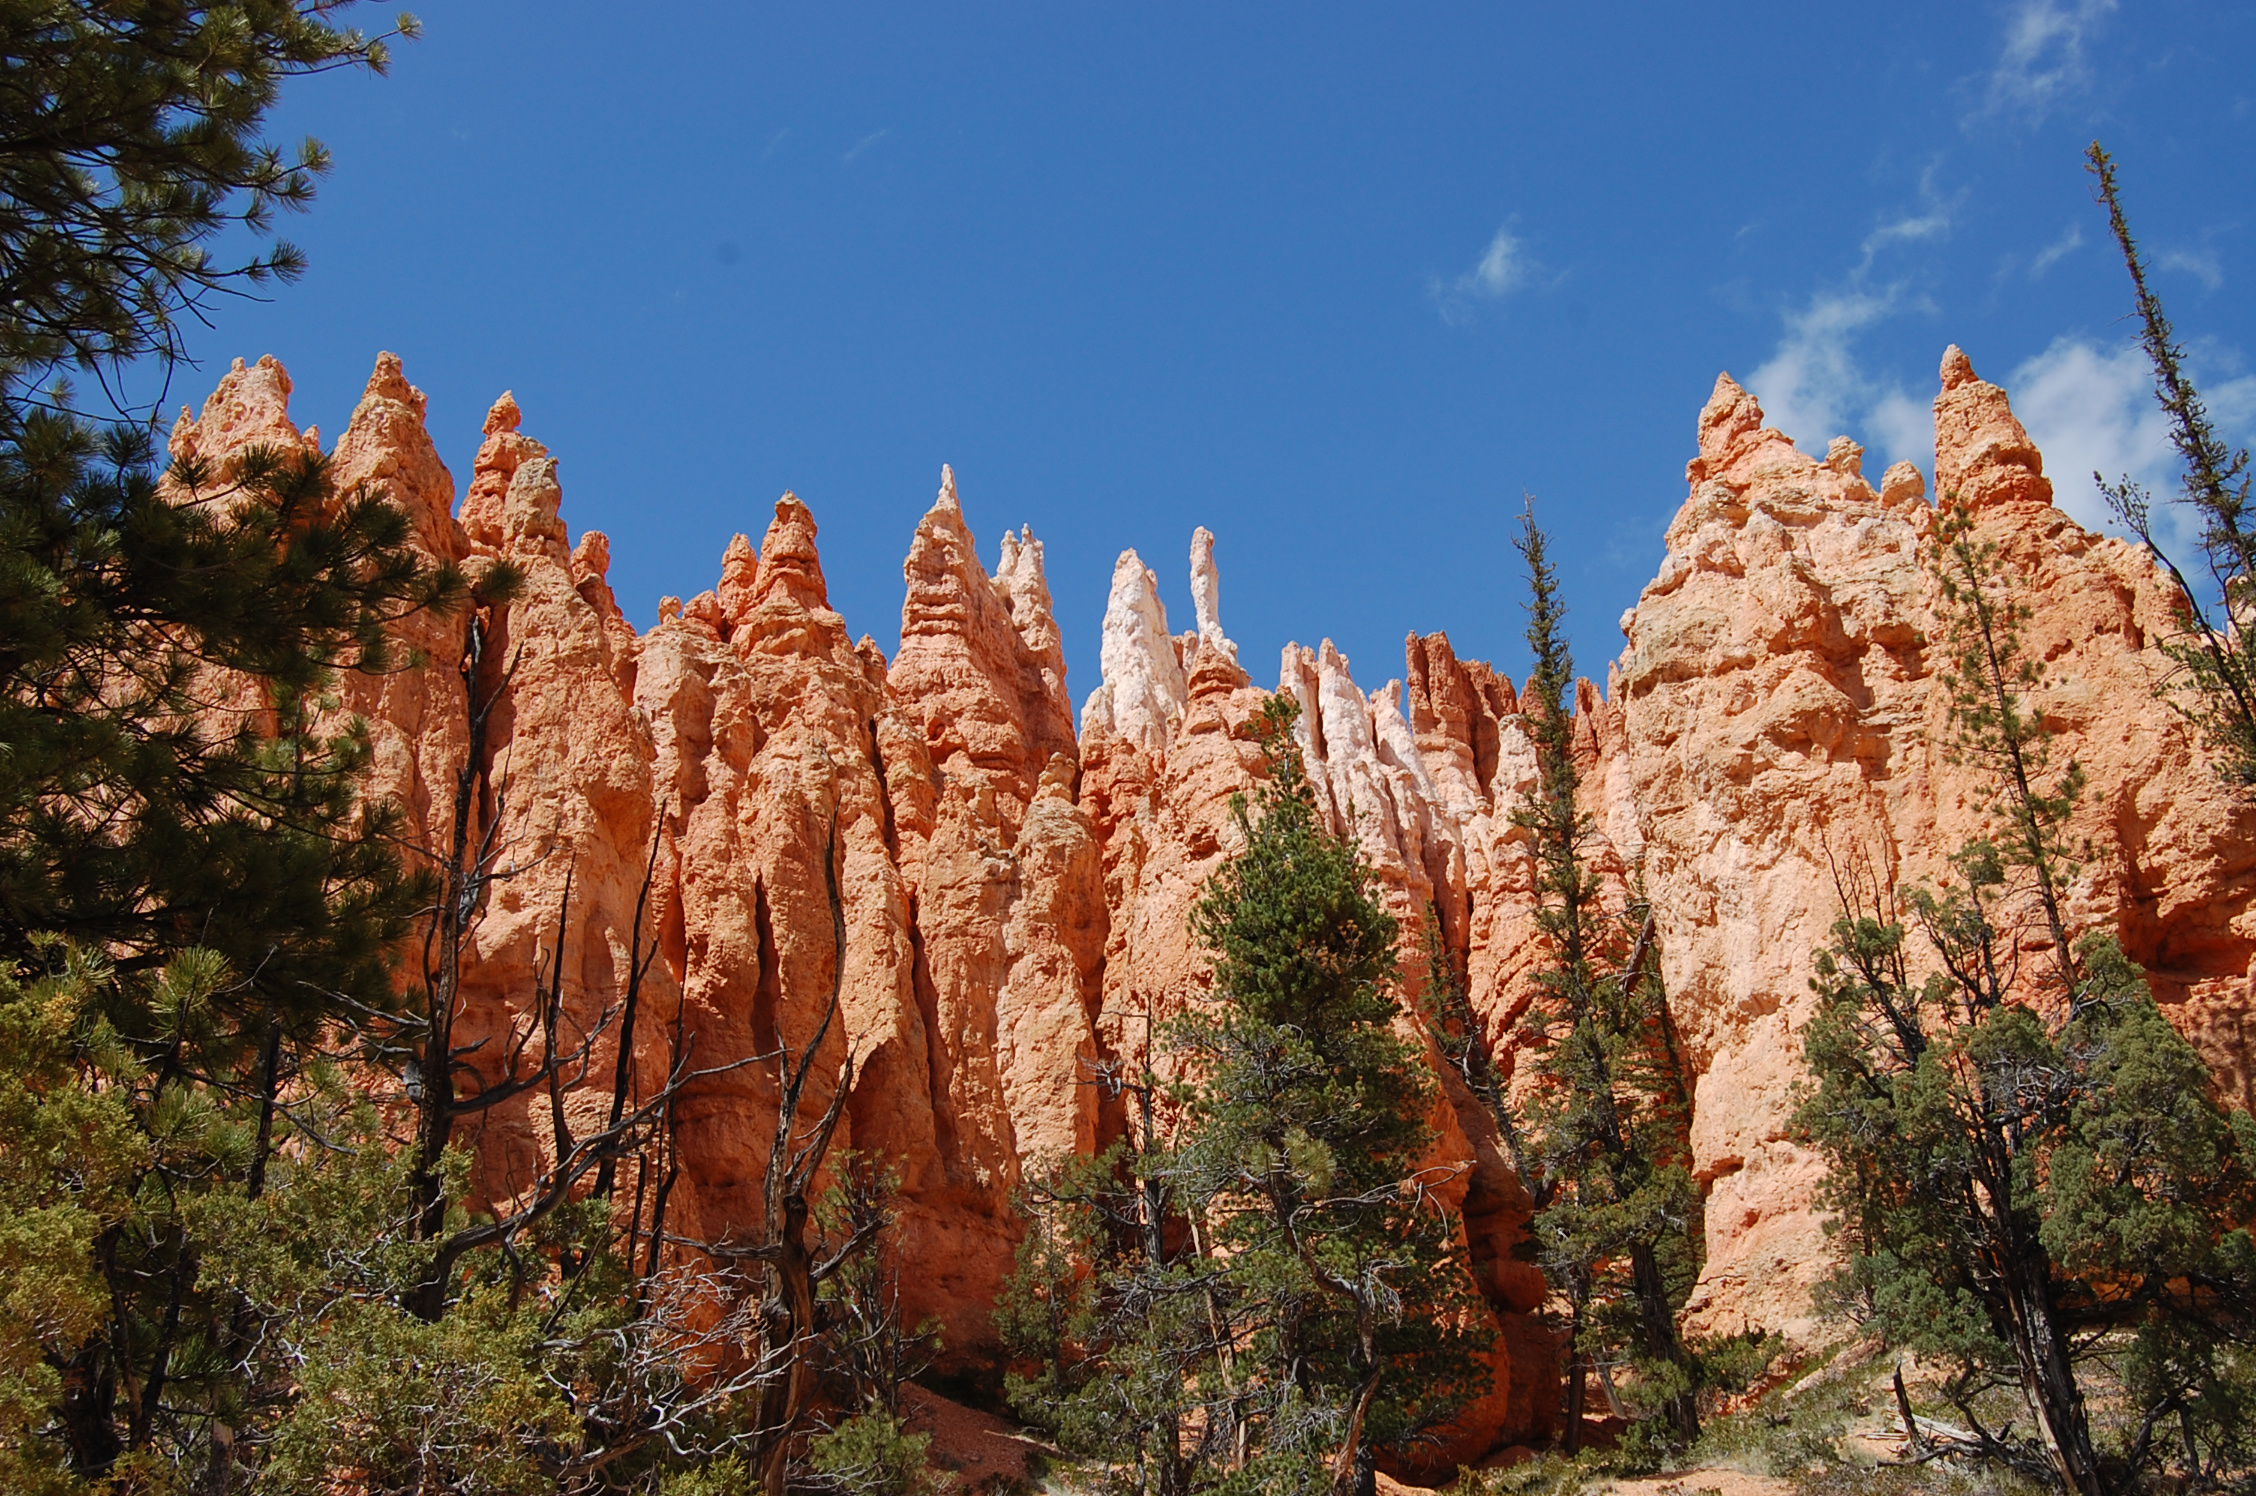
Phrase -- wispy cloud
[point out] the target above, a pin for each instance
(1815, 385)
(2044, 57)
(1932, 221)
(1503, 268)
(2058, 250)
(854, 152)
(2201, 264)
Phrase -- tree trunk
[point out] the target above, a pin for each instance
(2048, 1378)
(1571, 1438)
(88, 1412)
(795, 1285)
(1663, 1343)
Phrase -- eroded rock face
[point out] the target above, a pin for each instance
(1785, 745)
(1016, 896)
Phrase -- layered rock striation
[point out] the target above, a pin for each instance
(1016, 894)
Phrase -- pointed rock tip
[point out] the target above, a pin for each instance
(1022, 556)
(183, 438)
(1845, 456)
(946, 512)
(740, 577)
(1732, 411)
(272, 368)
(592, 556)
(267, 371)
(389, 378)
(504, 415)
(388, 382)
(790, 563)
(1206, 592)
(1983, 454)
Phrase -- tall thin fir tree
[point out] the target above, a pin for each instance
(1277, 1295)
(1607, 1113)
(2216, 659)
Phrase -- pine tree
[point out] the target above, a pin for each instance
(134, 139)
(1608, 1112)
(1278, 1296)
(2030, 1178)
(2216, 660)
(191, 892)
(173, 809)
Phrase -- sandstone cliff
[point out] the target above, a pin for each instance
(1016, 892)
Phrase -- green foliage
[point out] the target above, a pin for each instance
(135, 137)
(874, 1454)
(157, 1304)
(66, 1176)
(221, 1268)
(1608, 1116)
(1265, 1297)
(870, 1353)
(2029, 1175)
(163, 654)
(177, 797)
(458, 1404)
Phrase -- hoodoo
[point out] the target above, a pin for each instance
(1016, 894)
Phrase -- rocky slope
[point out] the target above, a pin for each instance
(1015, 892)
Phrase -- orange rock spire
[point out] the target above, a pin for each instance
(1017, 894)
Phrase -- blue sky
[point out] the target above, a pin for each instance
(1338, 281)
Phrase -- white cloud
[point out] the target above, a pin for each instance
(1903, 428)
(1911, 228)
(2201, 264)
(1811, 387)
(1931, 220)
(1501, 269)
(2058, 250)
(2044, 58)
(1504, 267)
(2092, 409)
(859, 146)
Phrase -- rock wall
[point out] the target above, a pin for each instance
(1016, 893)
